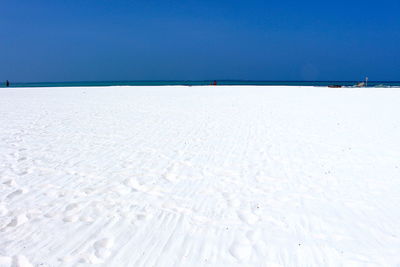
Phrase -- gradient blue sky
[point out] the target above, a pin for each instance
(99, 40)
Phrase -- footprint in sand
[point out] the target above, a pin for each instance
(85, 258)
(10, 182)
(171, 173)
(50, 214)
(103, 247)
(52, 193)
(86, 219)
(18, 220)
(139, 218)
(15, 193)
(71, 218)
(3, 209)
(133, 184)
(23, 173)
(70, 212)
(102, 250)
(33, 214)
(104, 243)
(248, 217)
(16, 261)
(253, 235)
(21, 159)
(241, 249)
(120, 189)
(72, 206)
(171, 177)
(89, 190)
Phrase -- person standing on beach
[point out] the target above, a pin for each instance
(7, 83)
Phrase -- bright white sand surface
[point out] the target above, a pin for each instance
(200, 176)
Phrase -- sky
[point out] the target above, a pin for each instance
(120, 40)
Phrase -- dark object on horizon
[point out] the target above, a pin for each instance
(334, 86)
(215, 82)
(7, 83)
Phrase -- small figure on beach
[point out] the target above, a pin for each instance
(363, 84)
(7, 83)
(215, 82)
(360, 84)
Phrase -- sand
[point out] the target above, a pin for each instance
(200, 176)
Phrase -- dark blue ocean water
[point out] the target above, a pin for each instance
(194, 83)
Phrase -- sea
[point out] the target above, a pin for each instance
(197, 83)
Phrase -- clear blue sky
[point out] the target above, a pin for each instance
(99, 40)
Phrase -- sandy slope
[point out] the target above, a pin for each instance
(200, 176)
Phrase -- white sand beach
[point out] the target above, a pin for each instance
(199, 176)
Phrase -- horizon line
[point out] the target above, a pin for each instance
(206, 80)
